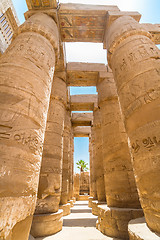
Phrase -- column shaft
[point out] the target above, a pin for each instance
(26, 73)
(119, 178)
(66, 158)
(99, 170)
(135, 62)
(49, 191)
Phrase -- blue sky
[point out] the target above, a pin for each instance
(150, 10)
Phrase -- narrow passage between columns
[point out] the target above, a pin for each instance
(79, 225)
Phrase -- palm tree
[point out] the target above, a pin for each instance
(82, 165)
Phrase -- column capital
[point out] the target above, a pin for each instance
(44, 25)
(120, 29)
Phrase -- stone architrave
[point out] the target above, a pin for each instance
(66, 158)
(135, 62)
(49, 191)
(99, 169)
(26, 74)
(120, 184)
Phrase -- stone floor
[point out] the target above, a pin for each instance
(79, 225)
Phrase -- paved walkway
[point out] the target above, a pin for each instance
(79, 225)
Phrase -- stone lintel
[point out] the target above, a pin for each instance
(82, 119)
(112, 16)
(84, 74)
(84, 102)
(41, 4)
(82, 131)
(83, 23)
(154, 30)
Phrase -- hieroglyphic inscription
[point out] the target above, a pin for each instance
(146, 143)
(30, 140)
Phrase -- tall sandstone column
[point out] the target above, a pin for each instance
(120, 184)
(120, 188)
(135, 62)
(99, 169)
(49, 191)
(26, 74)
(66, 156)
(94, 189)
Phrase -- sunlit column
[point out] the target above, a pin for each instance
(26, 74)
(135, 62)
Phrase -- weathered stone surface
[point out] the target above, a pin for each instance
(41, 4)
(93, 173)
(76, 185)
(90, 199)
(84, 102)
(138, 230)
(95, 208)
(82, 131)
(99, 168)
(120, 184)
(26, 73)
(49, 191)
(83, 74)
(84, 183)
(139, 98)
(47, 224)
(82, 119)
(113, 222)
(88, 19)
(66, 158)
(66, 209)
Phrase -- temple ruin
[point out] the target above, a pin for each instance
(37, 126)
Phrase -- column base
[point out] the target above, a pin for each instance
(138, 230)
(83, 197)
(95, 207)
(66, 209)
(71, 202)
(90, 199)
(113, 222)
(47, 224)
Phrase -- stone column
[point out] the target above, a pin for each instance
(49, 191)
(71, 166)
(91, 167)
(121, 192)
(76, 185)
(66, 155)
(26, 73)
(93, 163)
(99, 171)
(135, 62)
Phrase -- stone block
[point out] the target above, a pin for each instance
(66, 209)
(47, 224)
(138, 230)
(113, 222)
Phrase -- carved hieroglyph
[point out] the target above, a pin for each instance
(26, 73)
(120, 185)
(49, 191)
(99, 169)
(135, 62)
